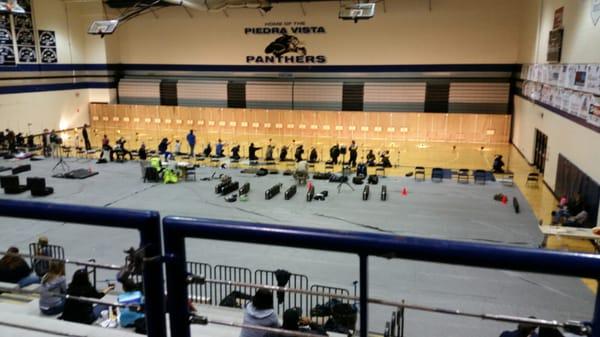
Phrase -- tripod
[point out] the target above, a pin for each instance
(345, 172)
(62, 163)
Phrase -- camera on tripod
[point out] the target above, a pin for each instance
(343, 150)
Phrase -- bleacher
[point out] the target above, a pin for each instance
(219, 281)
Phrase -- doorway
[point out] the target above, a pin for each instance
(539, 154)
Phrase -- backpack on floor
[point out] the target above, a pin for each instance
(373, 180)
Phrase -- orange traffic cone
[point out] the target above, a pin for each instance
(404, 192)
(504, 199)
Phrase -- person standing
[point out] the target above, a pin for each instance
(353, 153)
(334, 152)
(46, 143)
(86, 138)
(191, 139)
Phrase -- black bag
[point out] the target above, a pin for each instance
(357, 180)
(361, 170)
(338, 178)
(151, 175)
(373, 180)
(262, 172)
(321, 176)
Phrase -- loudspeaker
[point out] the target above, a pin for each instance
(38, 187)
(365, 194)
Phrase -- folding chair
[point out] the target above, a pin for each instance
(420, 171)
(463, 176)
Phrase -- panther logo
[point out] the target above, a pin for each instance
(285, 44)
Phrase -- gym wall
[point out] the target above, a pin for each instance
(576, 142)
(402, 32)
(57, 96)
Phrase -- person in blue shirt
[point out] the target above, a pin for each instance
(191, 139)
(219, 149)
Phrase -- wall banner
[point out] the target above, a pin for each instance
(47, 46)
(595, 11)
(287, 45)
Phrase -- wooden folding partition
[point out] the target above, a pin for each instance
(377, 130)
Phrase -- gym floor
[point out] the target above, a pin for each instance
(440, 210)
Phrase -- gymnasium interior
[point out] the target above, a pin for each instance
(381, 168)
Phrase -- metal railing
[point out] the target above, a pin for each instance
(176, 229)
(146, 222)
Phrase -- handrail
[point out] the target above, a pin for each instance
(176, 229)
(146, 222)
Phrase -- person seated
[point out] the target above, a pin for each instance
(53, 283)
(523, 330)
(299, 153)
(120, 149)
(269, 152)
(283, 153)
(575, 204)
(313, 156)
(293, 321)
(578, 220)
(549, 332)
(207, 151)
(371, 158)
(219, 149)
(163, 147)
(334, 152)
(142, 152)
(259, 312)
(385, 159)
(14, 269)
(252, 152)
(235, 152)
(79, 311)
(498, 166)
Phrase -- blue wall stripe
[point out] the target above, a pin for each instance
(501, 108)
(270, 68)
(139, 100)
(393, 106)
(326, 68)
(269, 104)
(202, 102)
(304, 105)
(55, 87)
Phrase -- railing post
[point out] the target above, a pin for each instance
(151, 240)
(364, 295)
(596, 319)
(177, 295)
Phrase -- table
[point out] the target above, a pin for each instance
(573, 232)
